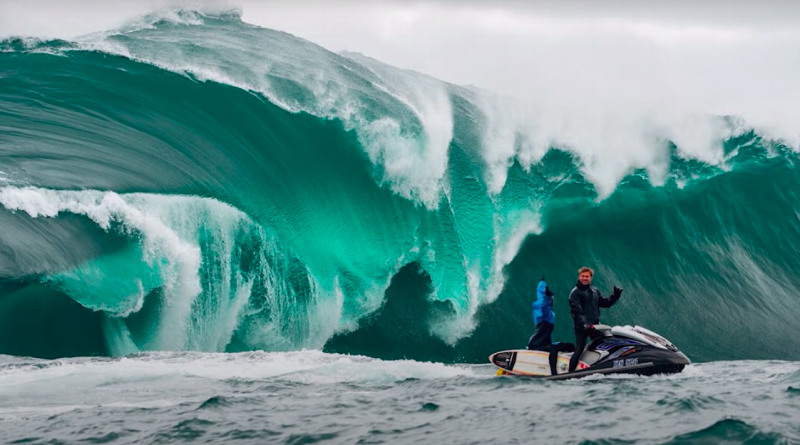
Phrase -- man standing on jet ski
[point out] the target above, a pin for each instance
(543, 320)
(585, 302)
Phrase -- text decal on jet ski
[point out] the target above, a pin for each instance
(626, 362)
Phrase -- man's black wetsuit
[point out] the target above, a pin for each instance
(585, 303)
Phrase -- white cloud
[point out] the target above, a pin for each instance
(72, 18)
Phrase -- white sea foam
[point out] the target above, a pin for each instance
(304, 366)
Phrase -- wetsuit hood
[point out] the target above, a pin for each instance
(541, 289)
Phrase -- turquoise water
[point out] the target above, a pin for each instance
(195, 183)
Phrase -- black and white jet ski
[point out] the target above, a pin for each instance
(611, 350)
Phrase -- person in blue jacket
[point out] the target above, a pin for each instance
(544, 319)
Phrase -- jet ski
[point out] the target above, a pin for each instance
(611, 350)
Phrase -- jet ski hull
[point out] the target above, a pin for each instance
(636, 366)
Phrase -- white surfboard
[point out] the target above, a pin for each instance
(531, 363)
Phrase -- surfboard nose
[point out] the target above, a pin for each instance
(504, 359)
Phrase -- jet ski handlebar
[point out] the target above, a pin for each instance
(600, 327)
(599, 330)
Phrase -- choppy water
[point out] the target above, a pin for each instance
(313, 397)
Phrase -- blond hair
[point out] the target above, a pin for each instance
(586, 270)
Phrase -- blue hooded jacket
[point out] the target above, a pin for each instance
(543, 306)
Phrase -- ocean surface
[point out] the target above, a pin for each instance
(216, 232)
(312, 397)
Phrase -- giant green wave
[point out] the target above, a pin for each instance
(162, 194)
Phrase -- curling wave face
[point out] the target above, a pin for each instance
(192, 182)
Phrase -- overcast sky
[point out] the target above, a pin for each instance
(585, 49)
(711, 56)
